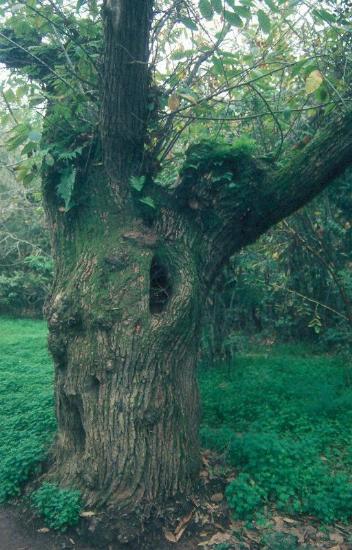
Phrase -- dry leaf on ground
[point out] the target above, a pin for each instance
(336, 537)
(170, 536)
(180, 529)
(218, 538)
(88, 514)
(289, 520)
(217, 497)
(184, 522)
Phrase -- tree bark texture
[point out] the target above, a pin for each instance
(124, 319)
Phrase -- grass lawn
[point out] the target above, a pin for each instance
(281, 417)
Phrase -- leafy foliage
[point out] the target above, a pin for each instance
(26, 403)
(59, 507)
(284, 423)
(25, 262)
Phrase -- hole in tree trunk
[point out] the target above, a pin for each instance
(160, 286)
(72, 411)
(92, 384)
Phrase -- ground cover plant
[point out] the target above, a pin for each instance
(59, 507)
(282, 417)
(26, 402)
(283, 420)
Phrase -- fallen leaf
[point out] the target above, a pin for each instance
(297, 533)
(87, 514)
(205, 460)
(217, 497)
(43, 530)
(310, 532)
(279, 523)
(289, 520)
(336, 537)
(170, 536)
(180, 533)
(183, 522)
(218, 538)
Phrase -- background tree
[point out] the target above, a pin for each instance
(135, 260)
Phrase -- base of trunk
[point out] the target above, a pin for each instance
(137, 529)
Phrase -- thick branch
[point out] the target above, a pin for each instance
(125, 85)
(236, 198)
(27, 54)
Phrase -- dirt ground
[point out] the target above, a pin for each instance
(204, 524)
(17, 533)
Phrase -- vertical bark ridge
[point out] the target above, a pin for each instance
(127, 397)
(126, 85)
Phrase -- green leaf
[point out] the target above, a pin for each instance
(35, 100)
(242, 11)
(187, 22)
(264, 21)
(272, 6)
(137, 182)
(29, 148)
(233, 18)
(148, 201)
(66, 186)
(313, 81)
(35, 136)
(325, 16)
(296, 69)
(206, 9)
(217, 5)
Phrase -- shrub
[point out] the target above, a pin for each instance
(59, 507)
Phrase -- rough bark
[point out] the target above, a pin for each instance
(124, 321)
(125, 86)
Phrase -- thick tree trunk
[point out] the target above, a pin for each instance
(126, 307)
(124, 322)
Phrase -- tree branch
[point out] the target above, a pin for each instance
(234, 197)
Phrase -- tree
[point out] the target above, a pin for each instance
(135, 260)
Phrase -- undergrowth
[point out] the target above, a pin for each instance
(284, 422)
(282, 418)
(26, 402)
(59, 507)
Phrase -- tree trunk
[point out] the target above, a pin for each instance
(124, 321)
(130, 283)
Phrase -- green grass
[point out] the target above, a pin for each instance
(26, 402)
(282, 418)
